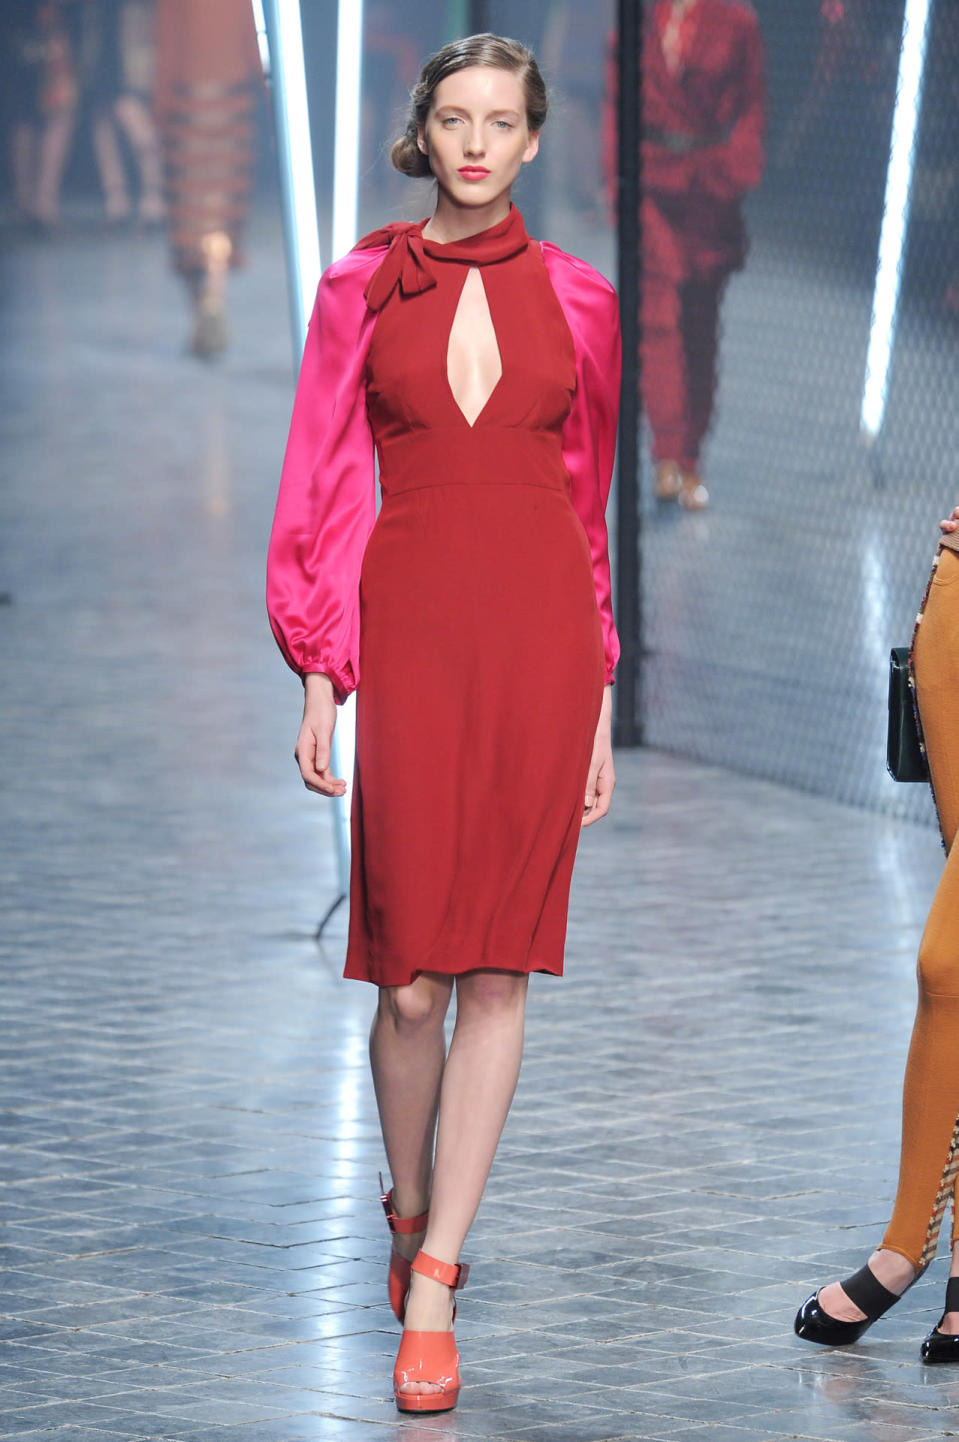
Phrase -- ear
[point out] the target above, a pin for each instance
(533, 148)
(421, 140)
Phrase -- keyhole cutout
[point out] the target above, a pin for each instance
(473, 362)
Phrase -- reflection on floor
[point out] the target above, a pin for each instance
(706, 1123)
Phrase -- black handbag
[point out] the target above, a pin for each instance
(905, 759)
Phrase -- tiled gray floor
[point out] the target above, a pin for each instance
(706, 1124)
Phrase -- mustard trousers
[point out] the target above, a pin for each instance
(929, 1165)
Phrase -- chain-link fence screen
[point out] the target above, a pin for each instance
(769, 614)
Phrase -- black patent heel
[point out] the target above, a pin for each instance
(943, 1346)
(866, 1292)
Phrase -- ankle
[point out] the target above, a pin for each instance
(892, 1269)
(429, 1307)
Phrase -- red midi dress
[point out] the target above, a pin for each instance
(476, 608)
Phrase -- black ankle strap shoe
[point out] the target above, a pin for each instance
(865, 1291)
(943, 1346)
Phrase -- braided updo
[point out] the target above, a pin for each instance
(496, 51)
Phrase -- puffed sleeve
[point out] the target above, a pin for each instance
(591, 308)
(326, 504)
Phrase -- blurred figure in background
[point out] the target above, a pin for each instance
(38, 86)
(856, 60)
(391, 63)
(207, 68)
(573, 54)
(704, 112)
(118, 65)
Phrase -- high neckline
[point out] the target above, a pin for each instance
(408, 260)
(507, 237)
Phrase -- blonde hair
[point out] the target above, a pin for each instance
(496, 51)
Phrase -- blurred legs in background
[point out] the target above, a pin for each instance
(207, 66)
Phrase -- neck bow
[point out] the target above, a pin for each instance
(408, 262)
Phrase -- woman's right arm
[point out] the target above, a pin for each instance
(325, 507)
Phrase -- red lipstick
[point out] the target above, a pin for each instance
(473, 172)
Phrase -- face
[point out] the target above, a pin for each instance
(476, 134)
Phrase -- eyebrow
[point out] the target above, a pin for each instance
(459, 110)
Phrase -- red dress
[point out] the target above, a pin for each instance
(482, 643)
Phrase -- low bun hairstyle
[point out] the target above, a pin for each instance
(496, 51)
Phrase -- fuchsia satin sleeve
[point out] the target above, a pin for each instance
(326, 504)
(590, 306)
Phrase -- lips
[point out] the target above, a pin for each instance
(473, 172)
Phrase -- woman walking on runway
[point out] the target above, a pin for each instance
(929, 1164)
(484, 368)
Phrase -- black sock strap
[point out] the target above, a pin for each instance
(866, 1292)
(952, 1294)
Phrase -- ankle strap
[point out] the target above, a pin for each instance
(952, 1294)
(866, 1292)
(451, 1274)
(403, 1225)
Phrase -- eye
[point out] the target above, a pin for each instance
(449, 120)
(505, 124)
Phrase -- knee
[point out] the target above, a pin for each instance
(421, 1006)
(938, 965)
(492, 991)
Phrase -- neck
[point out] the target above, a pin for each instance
(450, 221)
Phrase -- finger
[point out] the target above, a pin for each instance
(605, 785)
(329, 788)
(589, 800)
(314, 769)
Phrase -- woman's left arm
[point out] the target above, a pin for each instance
(591, 308)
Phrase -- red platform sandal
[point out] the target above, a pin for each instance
(430, 1356)
(398, 1281)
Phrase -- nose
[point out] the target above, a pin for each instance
(473, 145)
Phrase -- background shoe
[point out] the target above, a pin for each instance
(693, 495)
(669, 480)
(865, 1291)
(943, 1346)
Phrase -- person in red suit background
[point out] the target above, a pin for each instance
(703, 117)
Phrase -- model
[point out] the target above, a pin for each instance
(704, 115)
(483, 367)
(208, 74)
(929, 1165)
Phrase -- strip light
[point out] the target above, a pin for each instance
(346, 154)
(895, 219)
(301, 237)
(346, 164)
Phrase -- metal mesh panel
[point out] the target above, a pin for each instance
(768, 616)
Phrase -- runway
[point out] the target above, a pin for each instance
(707, 1122)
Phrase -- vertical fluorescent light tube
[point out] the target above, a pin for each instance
(301, 237)
(895, 219)
(346, 165)
(346, 158)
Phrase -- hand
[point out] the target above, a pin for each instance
(602, 778)
(951, 522)
(312, 750)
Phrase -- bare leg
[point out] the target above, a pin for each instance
(113, 180)
(137, 123)
(407, 1052)
(55, 142)
(479, 1080)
